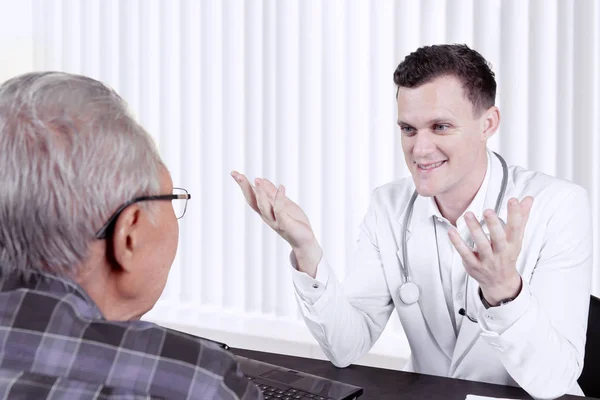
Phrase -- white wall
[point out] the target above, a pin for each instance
(301, 92)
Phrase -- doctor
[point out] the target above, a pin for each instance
(489, 285)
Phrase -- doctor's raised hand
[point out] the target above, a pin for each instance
(285, 217)
(493, 263)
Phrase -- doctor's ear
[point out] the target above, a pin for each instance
(490, 120)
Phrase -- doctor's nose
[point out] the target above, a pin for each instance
(423, 145)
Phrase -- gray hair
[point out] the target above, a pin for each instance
(70, 155)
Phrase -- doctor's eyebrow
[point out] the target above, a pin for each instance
(436, 121)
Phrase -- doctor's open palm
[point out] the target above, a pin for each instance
(285, 217)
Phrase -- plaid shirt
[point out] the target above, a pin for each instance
(55, 343)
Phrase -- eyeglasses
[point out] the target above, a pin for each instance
(179, 198)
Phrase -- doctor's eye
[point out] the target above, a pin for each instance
(441, 127)
(407, 130)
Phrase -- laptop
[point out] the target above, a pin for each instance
(279, 383)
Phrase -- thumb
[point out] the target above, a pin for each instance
(282, 217)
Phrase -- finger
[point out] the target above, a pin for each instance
(279, 202)
(265, 205)
(515, 219)
(281, 216)
(526, 205)
(247, 189)
(271, 190)
(479, 237)
(497, 232)
(463, 250)
(269, 187)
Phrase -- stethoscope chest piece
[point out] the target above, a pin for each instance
(409, 293)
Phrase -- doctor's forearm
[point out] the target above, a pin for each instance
(556, 371)
(308, 258)
(540, 358)
(344, 332)
(347, 320)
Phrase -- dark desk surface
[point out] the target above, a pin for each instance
(381, 384)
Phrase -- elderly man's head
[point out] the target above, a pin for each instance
(70, 156)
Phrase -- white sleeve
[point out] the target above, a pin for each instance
(499, 319)
(543, 349)
(346, 319)
(307, 288)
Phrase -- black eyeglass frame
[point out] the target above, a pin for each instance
(103, 232)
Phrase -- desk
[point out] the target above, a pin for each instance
(381, 384)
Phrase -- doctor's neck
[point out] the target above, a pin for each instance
(455, 201)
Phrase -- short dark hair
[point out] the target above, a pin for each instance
(458, 60)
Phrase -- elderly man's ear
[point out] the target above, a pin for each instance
(128, 241)
(125, 236)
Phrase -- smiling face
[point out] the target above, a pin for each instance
(443, 140)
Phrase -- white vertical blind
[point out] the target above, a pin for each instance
(191, 102)
(254, 151)
(212, 173)
(301, 92)
(512, 70)
(564, 90)
(543, 68)
(336, 88)
(487, 24)
(586, 110)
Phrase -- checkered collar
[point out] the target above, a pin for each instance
(53, 284)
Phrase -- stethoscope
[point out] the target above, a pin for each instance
(409, 291)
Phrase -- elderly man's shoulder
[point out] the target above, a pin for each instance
(171, 348)
(136, 357)
(201, 364)
(171, 344)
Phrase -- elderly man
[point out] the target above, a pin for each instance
(88, 232)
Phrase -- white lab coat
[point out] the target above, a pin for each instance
(542, 351)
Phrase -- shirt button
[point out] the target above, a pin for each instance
(459, 296)
(315, 285)
(488, 316)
